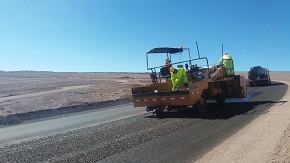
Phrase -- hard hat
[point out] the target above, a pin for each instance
(180, 47)
(172, 69)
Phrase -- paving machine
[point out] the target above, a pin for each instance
(204, 83)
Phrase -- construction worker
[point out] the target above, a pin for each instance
(228, 64)
(177, 76)
(167, 64)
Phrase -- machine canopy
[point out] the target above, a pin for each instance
(166, 50)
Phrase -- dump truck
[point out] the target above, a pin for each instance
(205, 83)
(259, 76)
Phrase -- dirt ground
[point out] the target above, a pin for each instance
(28, 92)
(22, 92)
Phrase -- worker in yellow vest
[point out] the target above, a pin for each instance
(228, 64)
(177, 76)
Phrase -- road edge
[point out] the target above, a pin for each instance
(13, 119)
(259, 141)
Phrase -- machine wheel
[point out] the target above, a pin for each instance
(220, 100)
(251, 84)
(200, 105)
(158, 112)
(150, 108)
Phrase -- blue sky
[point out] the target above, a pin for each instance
(114, 35)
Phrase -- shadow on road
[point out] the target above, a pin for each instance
(224, 111)
(274, 83)
(231, 109)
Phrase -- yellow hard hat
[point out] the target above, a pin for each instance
(172, 69)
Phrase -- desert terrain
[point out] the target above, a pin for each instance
(27, 91)
(28, 95)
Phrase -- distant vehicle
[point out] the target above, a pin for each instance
(259, 76)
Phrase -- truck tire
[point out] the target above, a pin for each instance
(269, 81)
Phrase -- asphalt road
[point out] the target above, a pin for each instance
(135, 137)
(27, 131)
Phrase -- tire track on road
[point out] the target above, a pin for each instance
(61, 89)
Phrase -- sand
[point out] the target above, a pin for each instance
(25, 91)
